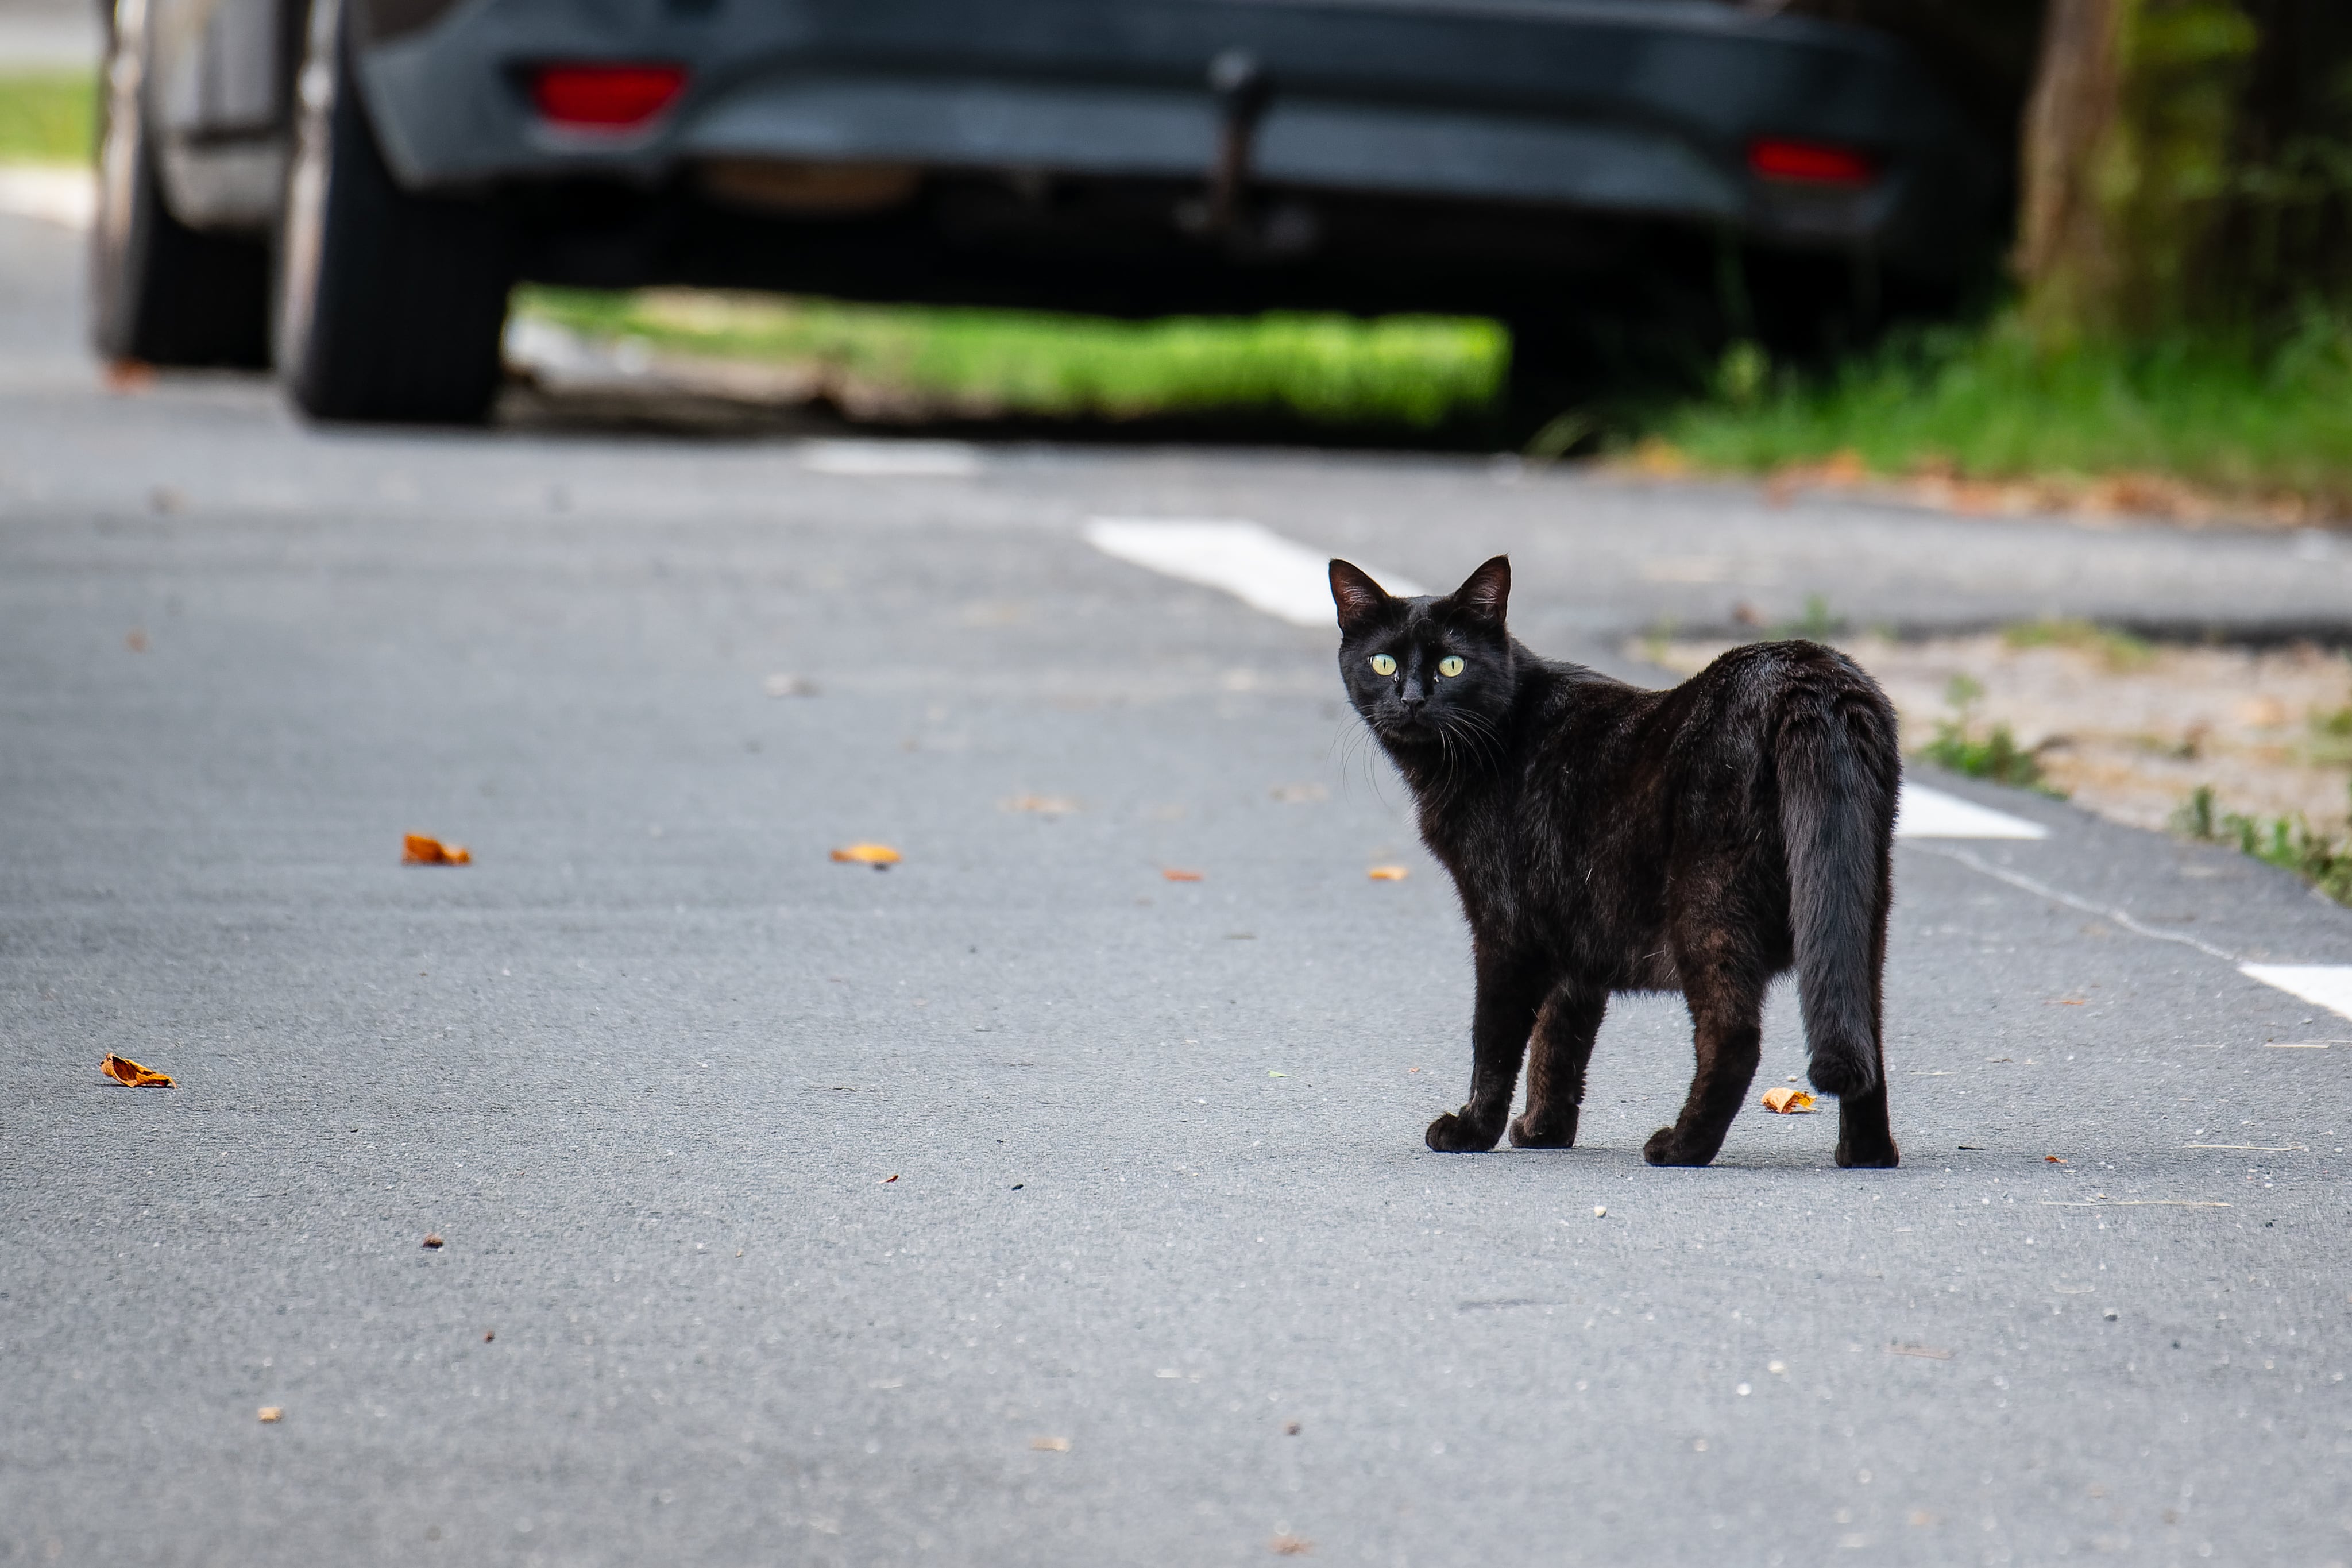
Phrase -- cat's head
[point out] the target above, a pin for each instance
(1426, 671)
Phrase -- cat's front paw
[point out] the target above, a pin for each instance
(1552, 1130)
(1667, 1146)
(1452, 1133)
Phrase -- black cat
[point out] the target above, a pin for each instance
(1607, 838)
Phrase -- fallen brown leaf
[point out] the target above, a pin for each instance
(1388, 873)
(2051, 1159)
(888, 1180)
(1292, 1546)
(416, 849)
(122, 1070)
(1175, 874)
(1786, 1102)
(435, 1242)
(867, 854)
(271, 1413)
(1050, 1445)
(488, 1334)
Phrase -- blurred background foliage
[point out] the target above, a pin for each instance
(48, 117)
(1413, 372)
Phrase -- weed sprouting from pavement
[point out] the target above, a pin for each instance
(2286, 842)
(1994, 755)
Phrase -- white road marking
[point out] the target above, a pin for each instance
(1287, 580)
(891, 459)
(64, 195)
(2328, 986)
(1924, 813)
(1254, 564)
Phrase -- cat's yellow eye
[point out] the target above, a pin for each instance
(1449, 667)
(1383, 664)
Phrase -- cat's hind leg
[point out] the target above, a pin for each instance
(1726, 1008)
(1556, 1055)
(1865, 1139)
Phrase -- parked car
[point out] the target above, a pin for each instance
(349, 188)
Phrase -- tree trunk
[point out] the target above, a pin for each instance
(2067, 249)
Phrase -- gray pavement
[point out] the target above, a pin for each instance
(1161, 1197)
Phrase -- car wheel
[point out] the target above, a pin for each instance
(159, 291)
(390, 305)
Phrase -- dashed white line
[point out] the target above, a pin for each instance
(1924, 813)
(1254, 564)
(65, 196)
(1287, 580)
(891, 459)
(2328, 986)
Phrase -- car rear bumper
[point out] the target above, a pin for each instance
(1638, 107)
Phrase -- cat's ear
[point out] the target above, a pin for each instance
(1353, 590)
(1487, 593)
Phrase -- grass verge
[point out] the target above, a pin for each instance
(1414, 371)
(2255, 422)
(48, 117)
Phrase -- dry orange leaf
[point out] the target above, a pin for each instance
(1388, 873)
(416, 849)
(271, 1413)
(888, 1180)
(2051, 1159)
(1175, 874)
(1292, 1546)
(867, 854)
(1050, 1445)
(1788, 1101)
(122, 1070)
(433, 1242)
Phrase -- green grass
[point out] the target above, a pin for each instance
(48, 117)
(2235, 418)
(1996, 756)
(1410, 371)
(2119, 651)
(2287, 843)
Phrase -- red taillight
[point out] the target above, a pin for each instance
(1816, 163)
(604, 97)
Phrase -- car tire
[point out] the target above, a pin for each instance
(159, 291)
(390, 305)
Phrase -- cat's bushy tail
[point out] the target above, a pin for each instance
(1839, 769)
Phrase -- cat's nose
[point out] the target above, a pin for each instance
(1415, 702)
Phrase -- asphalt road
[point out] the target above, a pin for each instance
(1016, 1204)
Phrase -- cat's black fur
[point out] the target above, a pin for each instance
(1608, 838)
